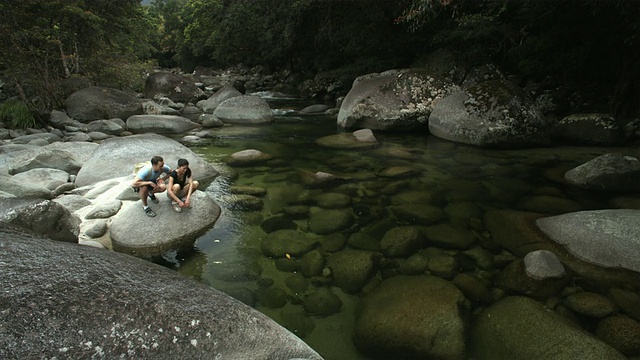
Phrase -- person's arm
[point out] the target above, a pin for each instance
(188, 197)
(138, 182)
(167, 173)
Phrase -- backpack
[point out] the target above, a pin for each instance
(139, 166)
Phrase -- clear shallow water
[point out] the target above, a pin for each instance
(228, 257)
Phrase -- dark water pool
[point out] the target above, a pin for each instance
(229, 258)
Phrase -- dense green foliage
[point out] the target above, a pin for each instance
(589, 45)
(45, 41)
(17, 114)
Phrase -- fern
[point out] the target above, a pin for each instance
(17, 114)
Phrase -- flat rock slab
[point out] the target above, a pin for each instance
(67, 301)
(609, 238)
(133, 232)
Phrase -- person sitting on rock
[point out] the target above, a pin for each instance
(148, 182)
(181, 186)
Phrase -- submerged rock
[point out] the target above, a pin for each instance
(413, 317)
(521, 328)
(361, 139)
(247, 157)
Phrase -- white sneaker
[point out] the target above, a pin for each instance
(176, 207)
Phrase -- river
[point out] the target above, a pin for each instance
(229, 258)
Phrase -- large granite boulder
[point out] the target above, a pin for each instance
(117, 157)
(42, 217)
(45, 177)
(109, 127)
(589, 129)
(519, 233)
(491, 113)
(67, 301)
(173, 86)
(96, 103)
(28, 189)
(160, 124)
(609, 172)
(245, 109)
(48, 137)
(227, 92)
(608, 238)
(393, 100)
(133, 232)
(521, 328)
(412, 317)
(50, 159)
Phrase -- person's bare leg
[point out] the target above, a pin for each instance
(176, 190)
(144, 192)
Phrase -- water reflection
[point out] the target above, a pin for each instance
(412, 179)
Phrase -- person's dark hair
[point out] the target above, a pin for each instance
(182, 162)
(156, 159)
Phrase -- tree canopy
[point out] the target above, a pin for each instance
(589, 44)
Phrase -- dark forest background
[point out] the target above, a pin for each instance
(590, 46)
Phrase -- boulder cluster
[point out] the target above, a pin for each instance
(424, 283)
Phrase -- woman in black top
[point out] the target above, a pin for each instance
(181, 186)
